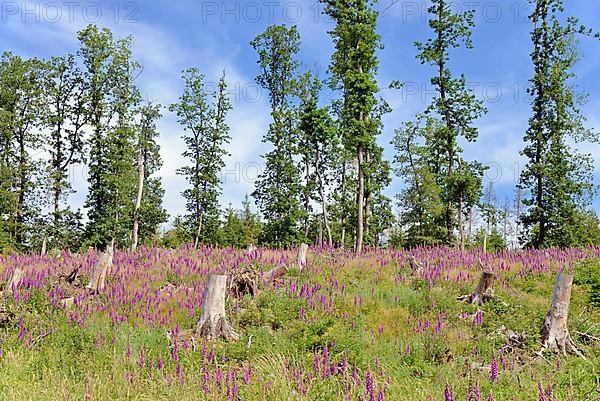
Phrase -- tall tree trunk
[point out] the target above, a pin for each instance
(57, 175)
(461, 229)
(343, 191)
(470, 232)
(449, 126)
(306, 199)
(368, 199)
(198, 231)
(138, 201)
(360, 199)
(323, 199)
(20, 212)
(506, 216)
(518, 216)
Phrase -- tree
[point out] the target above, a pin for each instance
(20, 104)
(353, 67)
(65, 98)
(278, 187)
(113, 98)
(343, 208)
(558, 178)
(588, 229)
(421, 206)
(450, 116)
(208, 134)
(317, 146)
(241, 227)
(148, 211)
(489, 209)
(383, 218)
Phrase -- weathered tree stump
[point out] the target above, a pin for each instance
(13, 283)
(15, 280)
(554, 331)
(103, 265)
(213, 322)
(415, 266)
(301, 257)
(44, 244)
(483, 292)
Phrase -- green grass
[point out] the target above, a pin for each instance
(91, 361)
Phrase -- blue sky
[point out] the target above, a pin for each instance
(215, 35)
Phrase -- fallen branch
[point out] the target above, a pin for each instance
(274, 274)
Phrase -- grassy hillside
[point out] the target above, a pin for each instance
(343, 328)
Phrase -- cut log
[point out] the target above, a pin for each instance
(213, 322)
(301, 257)
(274, 273)
(554, 331)
(103, 264)
(483, 292)
(415, 266)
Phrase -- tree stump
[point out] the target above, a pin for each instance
(554, 331)
(44, 242)
(415, 266)
(301, 257)
(103, 264)
(483, 292)
(213, 322)
(15, 280)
